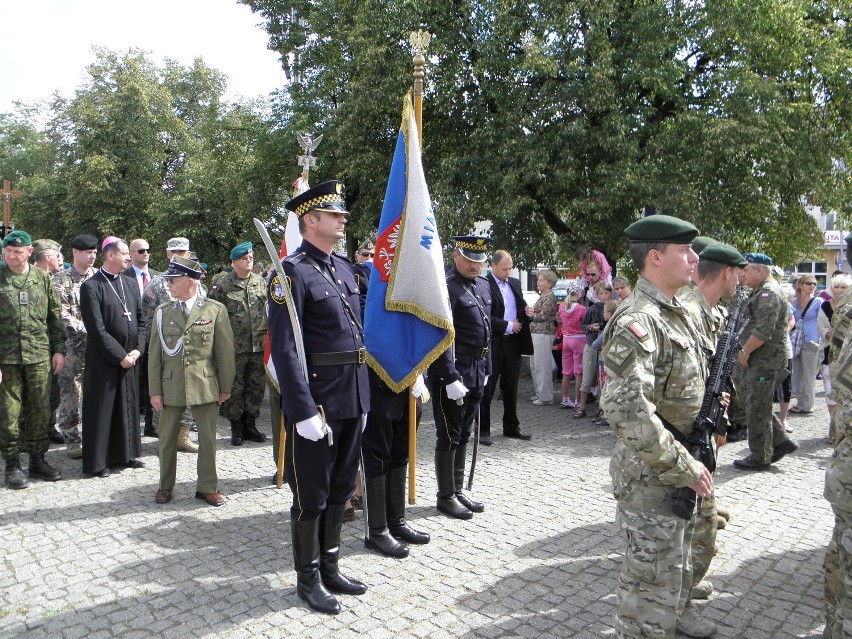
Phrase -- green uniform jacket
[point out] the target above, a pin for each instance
(766, 311)
(245, 300)
(204, 366)
(30, 333)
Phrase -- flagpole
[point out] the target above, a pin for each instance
(419, 41)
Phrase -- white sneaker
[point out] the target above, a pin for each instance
(567, 403)
(538, 402)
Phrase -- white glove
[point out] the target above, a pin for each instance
(418, 388)
(363, 422)
(456, 390)
(312, 428)
(485, 383)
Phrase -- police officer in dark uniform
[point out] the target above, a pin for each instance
(457, 379)
(324, 416)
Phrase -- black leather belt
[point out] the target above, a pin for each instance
(337, 358)
(471, 351)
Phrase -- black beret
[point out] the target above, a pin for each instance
(84, 242)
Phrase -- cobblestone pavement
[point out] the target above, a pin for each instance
(96, 558)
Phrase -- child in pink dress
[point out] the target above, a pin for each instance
(571, 315)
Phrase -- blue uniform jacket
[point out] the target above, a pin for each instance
(470, 303)
(342, 390)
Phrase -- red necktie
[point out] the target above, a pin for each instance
(144, 279)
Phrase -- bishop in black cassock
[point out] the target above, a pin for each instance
(111, 309)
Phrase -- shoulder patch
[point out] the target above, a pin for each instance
(638, 330)
(276, 290)
(295, 258)
(762, 295)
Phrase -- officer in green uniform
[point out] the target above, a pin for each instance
(244, 295)
(32, 347)
(190, 364)
(763, 358)
(656, 373)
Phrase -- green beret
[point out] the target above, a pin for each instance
(240, 250)
(39, 246)
(723, 253)
(661, 228)
(702, 242)
(758, 258)
(17, 238)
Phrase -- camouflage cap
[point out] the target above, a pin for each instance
(40, 246)
(661, 228)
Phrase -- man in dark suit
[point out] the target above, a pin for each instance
(138, 271)
(510, 338)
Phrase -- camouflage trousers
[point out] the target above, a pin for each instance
(249, 385)
(656, 574)
(838, 578)
(705, 527)
(70, 391)
(736, 409)
(765, 431)
(24, 409)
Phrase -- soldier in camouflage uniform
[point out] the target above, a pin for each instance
(155, 294)
(764, 361)
(244, 295)
(656, 372)
(32, 346)
(47, 255)
(714, 281)
(84, 249)
(838, 476)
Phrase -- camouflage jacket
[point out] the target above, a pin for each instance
(245, 300)
(31, 329)
(709, 320)
(655, 367)
(766, 310)
(67, 283)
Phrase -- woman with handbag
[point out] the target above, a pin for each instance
(806, 345)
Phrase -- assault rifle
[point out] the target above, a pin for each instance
(699, 442)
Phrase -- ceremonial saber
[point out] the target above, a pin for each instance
(291, 311)
(475, 451)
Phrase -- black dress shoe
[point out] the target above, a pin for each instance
(748, 463)
(517, 434)
(135, 463)
(55, 436)
(103, 473)
(484, 440)
(150, 432)
(784, 448)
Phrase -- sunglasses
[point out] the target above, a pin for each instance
(366, 254)
(808, 283)
(140, 251)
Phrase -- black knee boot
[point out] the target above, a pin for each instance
(379, 537)
(447, 501)
(458, 477)
(237, 432)
(395, 508)
(329, 538)
(306, 557)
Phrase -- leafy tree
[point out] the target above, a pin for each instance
(562, 121)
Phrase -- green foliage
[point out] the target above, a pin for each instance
(562, 121)
(143, 151)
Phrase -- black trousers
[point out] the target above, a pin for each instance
(454, 422)
(384, 443)
(318, 473)
(505, 370)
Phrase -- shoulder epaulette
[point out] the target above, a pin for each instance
(341, 256)
(295, 258)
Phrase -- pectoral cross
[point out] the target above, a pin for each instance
(126, 313)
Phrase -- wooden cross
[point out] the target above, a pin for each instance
(7, 194)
